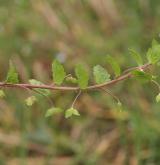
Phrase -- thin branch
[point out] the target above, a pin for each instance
(69, 88)
(111, 94)
(40, 93)
(79, 93)
(133, 68)
(47, 97)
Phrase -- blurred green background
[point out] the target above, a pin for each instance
(32, 34)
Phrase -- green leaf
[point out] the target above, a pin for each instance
(72, 80)
(12, 75)
(119, 104)
(100, 74)
(153, 54)
(45, 92)
(30, 101)
(2, 94)
(58, 72)
(154, 77)
(82, 76)
(136, 57)
(70, 112)
(158, 98)
(154, 42)
(142, 76)
(53, 111)
(114, 65)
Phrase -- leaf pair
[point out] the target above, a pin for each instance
(71, 112)
(101, 75)
(153, 54)
(59, 75)
(68, 113)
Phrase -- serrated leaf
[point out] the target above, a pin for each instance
(100, 74)
(53, 111)
(142, 76)
(82, 76)
(70, 112)
(2, 94)
(158, 98)
(115, 65)
(58, 72)
(30, 101)
(153, 54)
(136, 57)
(12, 75)
(45, 92)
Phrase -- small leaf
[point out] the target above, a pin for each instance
(154, 42)
(136, 57)
(75, 112)
(154, 77)
(158, 98)
(53, 111)
(142, 76)
(72, 80)
(58, 72)
(82, 76)
(45, 92)
(114, 65)
(153, 54)
(30, 101)
(100, 74)
(119, 104)
(2, 94)
(70, 112)
(12, 76)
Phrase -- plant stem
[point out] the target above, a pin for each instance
(110, 93)
(69, 88)
(79, 93)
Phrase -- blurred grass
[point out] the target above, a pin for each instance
(33, 33)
